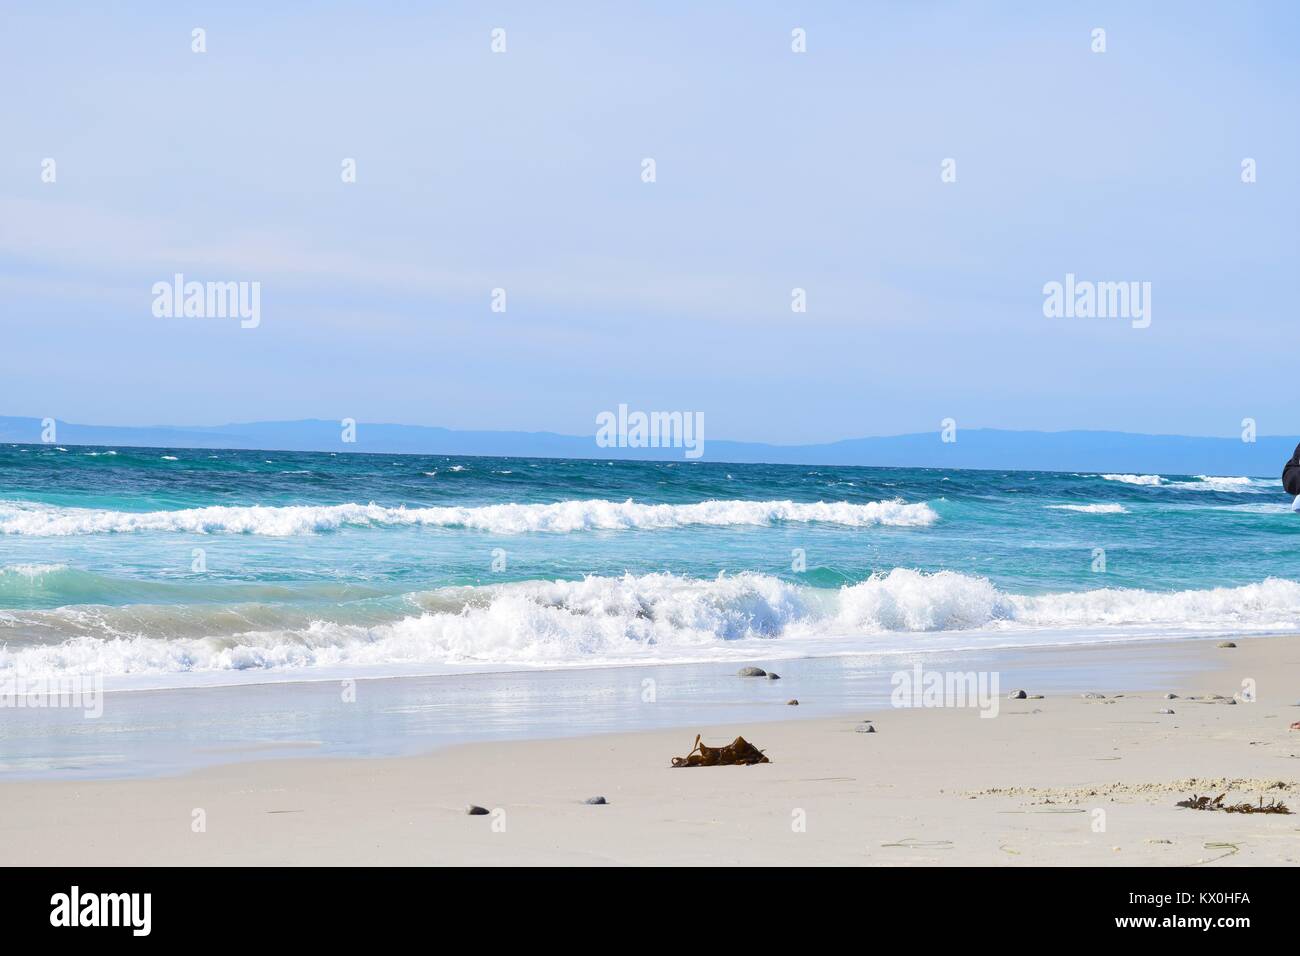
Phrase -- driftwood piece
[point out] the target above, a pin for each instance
(1195, 802)
(739, 751)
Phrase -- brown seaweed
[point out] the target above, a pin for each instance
(1195, 802)
(739, 752)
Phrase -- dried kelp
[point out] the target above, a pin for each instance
(739, 752)
(1195, 802)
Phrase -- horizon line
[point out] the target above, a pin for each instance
(558, 434)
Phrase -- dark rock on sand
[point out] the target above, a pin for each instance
(1226, 644)
(771, 676)
(1017, 695)
(792, 702)
(474, 810)
(751, 672)
(865, 728)
(1164, 710)
(596, 801)
(1171, 696)
(1093, 695)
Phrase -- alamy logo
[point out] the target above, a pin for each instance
(179, 299)
(103, 909)
(1083, 299)
(70, 691)
(651, 430)
(921, 688)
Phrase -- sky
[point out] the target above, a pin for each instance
(774, 170)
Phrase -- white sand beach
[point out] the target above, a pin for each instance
(1062, 780)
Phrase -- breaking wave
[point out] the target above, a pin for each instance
(27, 518)
(608, 620)
(1135, 479)
(1229, 485)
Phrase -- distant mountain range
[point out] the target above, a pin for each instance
(980, 448)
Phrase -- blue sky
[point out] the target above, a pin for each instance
(775, 170)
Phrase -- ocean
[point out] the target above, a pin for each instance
(178, 567)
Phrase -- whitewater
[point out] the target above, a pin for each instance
(559, 517)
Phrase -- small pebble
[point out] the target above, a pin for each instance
(792, 702)
(1227, 644)
(751, 672)
(596, 801)
(1017, 695)
(474, 810)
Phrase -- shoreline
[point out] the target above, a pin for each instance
(175, 730)
(930, 786)
(1101, 637)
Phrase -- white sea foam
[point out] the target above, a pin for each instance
(1226, 481)
(660, 617)
(1101, 509)
(28, 518)
(1201, 482)
(1135, 479)
(1230, 484)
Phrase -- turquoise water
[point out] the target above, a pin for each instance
(167, 567)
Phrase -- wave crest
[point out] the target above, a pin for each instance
(562, 517)
(1135, 479)
(635, 618)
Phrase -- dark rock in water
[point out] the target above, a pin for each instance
(751, 672)
(1226, 644)
(476, 811)
(1017, 695)
(771, 676)
(792, 702)
(596, 801)
(866, 728)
